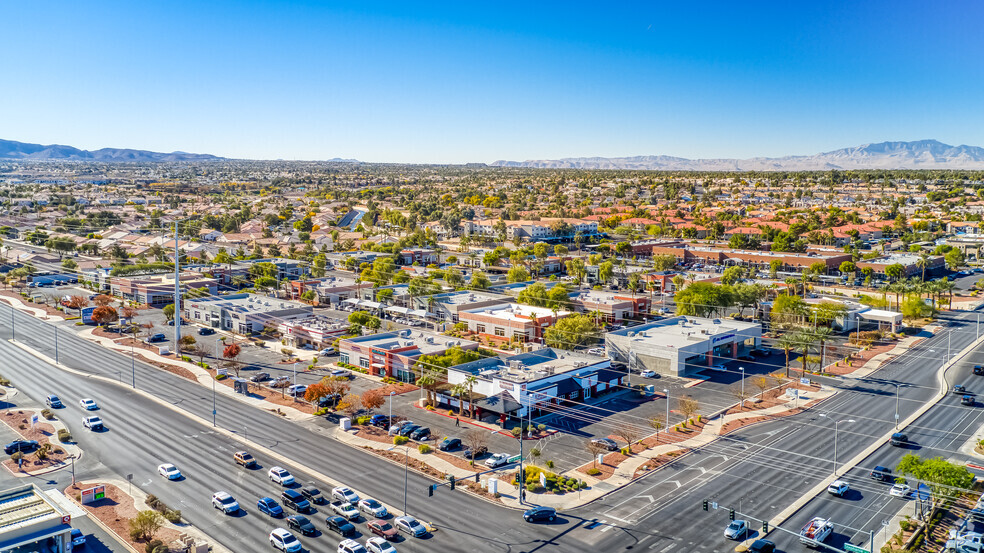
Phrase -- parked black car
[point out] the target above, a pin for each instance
(340, 526)
(24, 446)
(607, 443)
(420, 433)
(447, 444)
(469, 454)
(206, 331)
(260, 377)
(409, 429)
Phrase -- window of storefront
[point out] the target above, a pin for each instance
(500, 331)
(364, 363)
(343, 358)
(480, 329)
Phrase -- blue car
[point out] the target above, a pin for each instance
(268, 506)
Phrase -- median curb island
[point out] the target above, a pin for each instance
(857, 459)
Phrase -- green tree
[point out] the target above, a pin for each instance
(540, 250)
(605, 272)
(664, 262)
(732, 275)
(895, 271)
(787, 310)
(702, 299)
(572, 331)
(517, 273)
(168, 311)
(480, 281)
(534, 294)
(774, 267)
(954, 259)
(747, 295)
(945, 479)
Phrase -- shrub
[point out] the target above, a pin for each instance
(22, 426)
(627, 451)
(173, 516)
(186, 359)
(400, 440)
(4, 381)
(17, 456)
(429, 407)
(550, 464)
(424, 448)
(152, 545)
(541, 427)
(162, 549)
(516, 431)
(220, 376)
(152, 501)
(535, 487)
(145, 525)
(593, 472)
(362, 421)
(47, 414)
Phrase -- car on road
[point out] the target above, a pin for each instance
(260, 377)
(607, 443)
(900, 490)
(206, 331)
(497, 460)
(345, 495)
(344, 509)
(539, 513)
(313, 494)
(93, 423)
(420, 434)
(372, 507)
(476, 453)
(350, 546)
(225, 503)
(449, 443)
(279, 475)
(88, 404)
(340, 526)
(978, 369)
(294, 500)
(78, 538)
(881, 473)
(296, 390)
(169, 471)
(648, 374)
(23, 446)
(959, 389)
(301, 524)
(899, 440)
(382, 529)
(967, 400)
(159, 337)
(285, 541)
(244, 458)
(269, 506)
(838, 488)
(51, 400)
(379, 545)
(410, 526)
(762, 546)
(737, 530)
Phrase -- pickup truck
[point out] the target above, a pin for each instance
(345, 509)
(816, 531)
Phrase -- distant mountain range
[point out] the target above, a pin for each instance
(922, 154)
(10, 149)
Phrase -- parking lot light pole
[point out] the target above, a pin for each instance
(742, 369)
(390, 420)
(667, 394)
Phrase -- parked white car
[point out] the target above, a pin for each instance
(497, 460)
(647, 374)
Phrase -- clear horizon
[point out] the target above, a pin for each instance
(449, 83)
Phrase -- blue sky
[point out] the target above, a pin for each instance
(464, 81)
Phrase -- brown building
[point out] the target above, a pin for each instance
(686, 253)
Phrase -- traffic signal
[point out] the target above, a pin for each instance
(705, 504)
(731, 514)
(430, 490)
(452, 482)
(765, 527)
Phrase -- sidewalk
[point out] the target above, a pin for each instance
(33, 311)
(623, 473)
(903, 346)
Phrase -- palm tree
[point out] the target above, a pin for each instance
(470, 383)
(923, 263)
(948, 287)
(805, 339)
(427, 381)
(823, 335)
(787, 342)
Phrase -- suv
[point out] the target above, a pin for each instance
(296, 390)
(606, 443)
(967, 400)
(260, 377)
(159, 337)
(381, 421)
(881, 473)
(421, 433)
(93, 423)
(351, 546)
(312, 494)
(898, 439)
(761, 546)
(51, 400)
(285, 541)
(245, 459)
(225, 502)
(295, 501)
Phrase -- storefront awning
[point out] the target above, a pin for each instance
(378, 366)
(397, 309)
(353, 301)
(418, 313)
(371, 304)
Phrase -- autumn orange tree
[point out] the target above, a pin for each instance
(104, 315)
(102, 300)
(316, 391)
(78, 302)
(373, 399)
(231, 354)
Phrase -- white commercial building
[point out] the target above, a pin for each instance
(680, 345)
(31, 521)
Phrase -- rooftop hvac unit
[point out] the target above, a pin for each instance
(513, 364)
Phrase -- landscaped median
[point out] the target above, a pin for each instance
(51, 434)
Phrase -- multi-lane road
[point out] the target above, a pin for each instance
(759, 471)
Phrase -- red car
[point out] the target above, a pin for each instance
(382, 528)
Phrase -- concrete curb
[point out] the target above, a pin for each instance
(70, 448)
(857, 459)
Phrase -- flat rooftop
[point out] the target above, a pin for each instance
(681, 330)
(605, 298)
(25, 506)
(893, 258)
(249, 303)
(517, 312)
(427, 343)
(465, 297)
(534, 365)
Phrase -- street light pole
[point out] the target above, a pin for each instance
(213, 402)
(742, 369)
(390, 419)
(897, 387)
(133, 366)
(836, 428)
(406, 476)
(667, 394)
